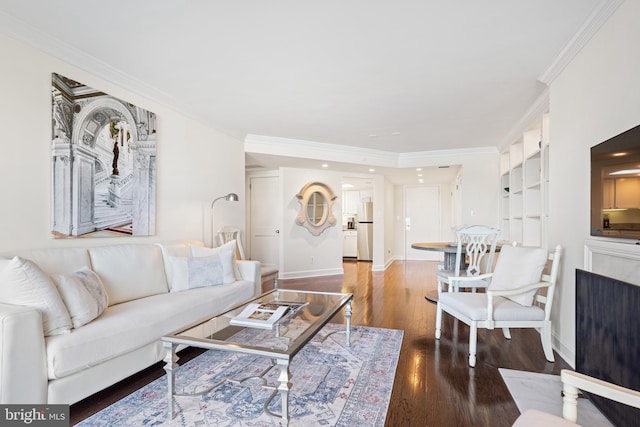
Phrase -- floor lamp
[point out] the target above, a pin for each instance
(231, 197)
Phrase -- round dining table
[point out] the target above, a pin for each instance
(449, 249)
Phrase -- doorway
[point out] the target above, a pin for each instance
(265, 217)
(422, 223)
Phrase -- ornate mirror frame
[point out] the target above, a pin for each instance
(313, 216)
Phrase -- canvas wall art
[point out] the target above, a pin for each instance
(103, 154)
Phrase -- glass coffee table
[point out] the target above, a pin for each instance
(281, 342)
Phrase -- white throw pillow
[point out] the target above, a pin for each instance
(227, 254)
(195, 272)
(22, 282)
(517, 267)
(84, 295)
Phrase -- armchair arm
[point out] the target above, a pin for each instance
(506, 292)
(23, 360)
(572, 381)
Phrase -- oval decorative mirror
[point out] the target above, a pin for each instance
(316, 207)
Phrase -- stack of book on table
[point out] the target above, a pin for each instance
(267, 314)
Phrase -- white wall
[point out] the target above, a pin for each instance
(195, 163)
(303, 254)
(596, 97)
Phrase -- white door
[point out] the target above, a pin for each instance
(264, 221)
(422, 220)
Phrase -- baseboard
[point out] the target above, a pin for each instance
(311, 273)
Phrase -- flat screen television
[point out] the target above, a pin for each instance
(615, 186)
(607, 341)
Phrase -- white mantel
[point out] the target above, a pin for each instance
(612, 258)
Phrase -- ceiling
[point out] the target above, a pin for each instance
(398, 76)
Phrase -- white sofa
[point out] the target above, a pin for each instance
(124, 339)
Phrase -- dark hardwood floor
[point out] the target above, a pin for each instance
(434, 385)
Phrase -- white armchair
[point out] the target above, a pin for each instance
(512, 299)
(477, 244)
(571, 383)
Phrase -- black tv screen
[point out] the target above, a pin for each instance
(608, 340)
(615, 186)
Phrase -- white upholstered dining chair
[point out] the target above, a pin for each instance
(476, 246)
(512, 300)
(572, 382)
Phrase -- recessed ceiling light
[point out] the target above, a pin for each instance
(418, 169)
(324, 165)
(419, 174)
(372, 170)
(421, 181)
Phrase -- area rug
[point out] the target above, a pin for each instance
(333, 385)
(542, 392)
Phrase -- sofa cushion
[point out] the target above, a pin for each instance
(57, 260)
(129, 272)
(131, 325)
(227, 255)
(22, 282)
(175, 249)
(194, 272)
(83, 294)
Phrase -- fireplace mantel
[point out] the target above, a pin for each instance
(613, 259)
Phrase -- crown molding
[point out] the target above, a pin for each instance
(262, 144)
(535, 111)
(305, 149)
(34, 37)
(599, 15)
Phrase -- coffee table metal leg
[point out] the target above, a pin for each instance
(284, 386)
(171, 363)
(348, 318)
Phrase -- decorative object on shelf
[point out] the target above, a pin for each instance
(231, 197)
(316, 207)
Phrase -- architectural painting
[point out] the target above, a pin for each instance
(103, 153)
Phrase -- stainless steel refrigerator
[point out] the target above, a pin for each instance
(365, 231)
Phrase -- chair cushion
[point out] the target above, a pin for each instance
(517, 267)
(474, 306)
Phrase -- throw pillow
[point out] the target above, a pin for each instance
(195, 272)
(22, 282)
(517, 267)
(227, 254)
(84, 295)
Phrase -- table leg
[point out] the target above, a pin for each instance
(171, 363)
(450, 261)
(348, 317)
(284, 386)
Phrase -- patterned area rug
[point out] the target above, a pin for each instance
(333, 385)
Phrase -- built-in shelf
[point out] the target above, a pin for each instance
(524, 183)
